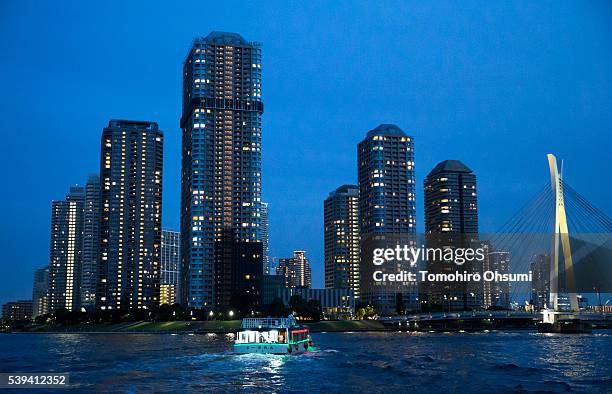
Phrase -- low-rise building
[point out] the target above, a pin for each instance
(17, 310)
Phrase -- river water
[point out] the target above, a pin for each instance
(343, 362)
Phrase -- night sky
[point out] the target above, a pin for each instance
(494, 84)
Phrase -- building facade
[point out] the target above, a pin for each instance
(272, 265)
(65, 251)
(450, 199)
(335, 303)
(221, 171)
(295, 270)
(91, 243)
(387, 209)
(271, 285)
(540, 281)
(265, 238)
(341, 239)
(451, 220)
(131, 202)
(17, 310)
(496, 294)
(40, 290)
(170, 267)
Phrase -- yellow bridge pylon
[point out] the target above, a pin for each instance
(560, 234)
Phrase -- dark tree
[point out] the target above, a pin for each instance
(399, 304)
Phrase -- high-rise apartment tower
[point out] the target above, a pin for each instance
(131, 203)
(341, 236)
(66, 251)
(387, 209)
(221, 172)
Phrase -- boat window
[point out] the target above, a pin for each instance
(272, 336)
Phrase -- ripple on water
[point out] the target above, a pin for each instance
(429, 362)
(516, 368)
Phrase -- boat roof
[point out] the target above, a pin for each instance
(269, 322)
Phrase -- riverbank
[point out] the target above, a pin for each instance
(200, 327)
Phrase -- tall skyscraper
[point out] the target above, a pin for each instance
(131, 201)
(540, 281)
(451, 220)
(91, 243)
(65, 251)
(496, 294)
(40, 289)
(295, 270)
(170, 267)
(387, 209)
(450, 199)
(221, 171)
(386, 181)
(341, 236)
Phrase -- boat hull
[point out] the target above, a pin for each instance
(270, 348)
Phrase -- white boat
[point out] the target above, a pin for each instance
(272, 335)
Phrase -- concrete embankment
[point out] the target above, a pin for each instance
(199, 327)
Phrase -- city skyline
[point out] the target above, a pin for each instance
(307, 211)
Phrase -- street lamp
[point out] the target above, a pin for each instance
(231, 313)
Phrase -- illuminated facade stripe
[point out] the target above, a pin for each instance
(66, 251)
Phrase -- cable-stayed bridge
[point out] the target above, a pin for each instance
(565, 244)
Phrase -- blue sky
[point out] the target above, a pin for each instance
(494, 84)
